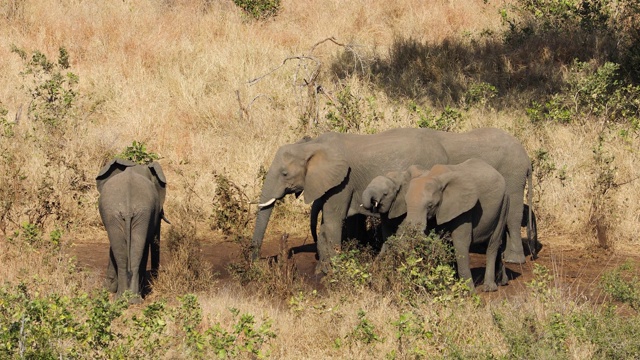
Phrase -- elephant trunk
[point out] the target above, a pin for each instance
(416, 217)
(262, 220)
(366, 200)
(265, 207)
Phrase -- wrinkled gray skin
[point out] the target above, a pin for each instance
(335, 168)
(385, 189)
(468, 200)
(130, 204)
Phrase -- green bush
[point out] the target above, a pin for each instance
(419, 266)
(138, 153)
(351, 268)
(623, 284)
(349, 113)
(448, 120)
(259, 9)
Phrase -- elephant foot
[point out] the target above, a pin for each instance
(490, 287)
(513, 257)
(502, 280)
(323, 268)
(111, 285)
(136, 299)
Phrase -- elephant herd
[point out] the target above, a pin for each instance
(470, 185)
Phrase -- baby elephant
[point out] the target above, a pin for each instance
(467, 200)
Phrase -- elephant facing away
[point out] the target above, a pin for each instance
(131, 207)
(468, 200)
(333, 170)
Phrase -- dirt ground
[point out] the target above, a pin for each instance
(575, 268)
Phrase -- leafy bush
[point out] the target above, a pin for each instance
(448, 120)
(417, 265)
(591, 92)
(61, 185)
(90, 326)
(259, 9)
(623, 284)
(351, 268)
(350, 113)
(138, 153)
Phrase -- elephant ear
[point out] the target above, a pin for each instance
(159, 180)
(417, 170)
(401, 179)
(459, 195)
(113, 167)
(326, 168)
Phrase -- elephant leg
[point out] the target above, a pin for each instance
(355, 227)
(140, 240)
(514, 252)
(155, 252)
(461, 238)
(334, 212)
(111, 281)
(489, 283)
(118, 254)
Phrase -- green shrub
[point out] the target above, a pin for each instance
(259, 9)
(419, 266)
(350, 113)
(623, 284)
(448, 120)
(351, 268)
(138, 153)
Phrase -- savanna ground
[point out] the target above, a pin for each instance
(212, 90)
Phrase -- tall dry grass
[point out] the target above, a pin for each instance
(213, 92)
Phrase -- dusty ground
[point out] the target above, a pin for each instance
(574, 268)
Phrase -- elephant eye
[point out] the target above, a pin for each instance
(285, 173)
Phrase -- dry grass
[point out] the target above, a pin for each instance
(177, 75)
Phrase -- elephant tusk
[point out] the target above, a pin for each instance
(268, 203)
(375, 204)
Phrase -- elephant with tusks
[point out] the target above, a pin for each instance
(333, 170)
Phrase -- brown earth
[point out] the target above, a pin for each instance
(575, 268)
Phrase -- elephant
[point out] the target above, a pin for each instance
(383, 190)
(131, 207)
(333, 170)
(470, 202)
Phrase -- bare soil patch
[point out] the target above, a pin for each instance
(575, 269)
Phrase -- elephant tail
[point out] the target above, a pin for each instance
(127, 236)
(532, 231)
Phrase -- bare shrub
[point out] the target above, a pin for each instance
(276, 276)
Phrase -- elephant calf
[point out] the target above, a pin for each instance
(469, 200)
(131, 207)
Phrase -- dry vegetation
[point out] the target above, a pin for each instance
(214, 93)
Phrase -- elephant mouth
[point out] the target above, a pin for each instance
(272, 201)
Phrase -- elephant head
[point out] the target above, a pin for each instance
(307, 166)
(384, 192)
(440, 194)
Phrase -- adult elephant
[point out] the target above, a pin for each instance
(335, 168)
(467, 200)
(131, 207)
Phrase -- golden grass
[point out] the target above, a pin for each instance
(176, 75)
